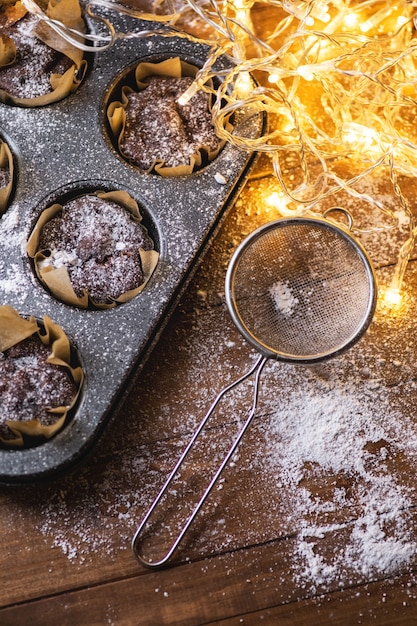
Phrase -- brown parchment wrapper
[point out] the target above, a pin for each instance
(58, 280)
(69, 13)
(116, 114)
(13, 330)
(6, 162)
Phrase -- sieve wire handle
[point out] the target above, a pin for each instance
(136, 542)
(345, 212)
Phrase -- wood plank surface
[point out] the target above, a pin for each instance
(314, 520)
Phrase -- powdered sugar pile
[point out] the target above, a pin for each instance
(283, 298)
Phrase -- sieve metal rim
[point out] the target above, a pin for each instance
(340, 230)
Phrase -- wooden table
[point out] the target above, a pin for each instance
(314, 520)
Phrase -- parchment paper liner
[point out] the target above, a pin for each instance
(69, 13)
(13, 330)
(6, 162)
(58, 280)
(116, 115)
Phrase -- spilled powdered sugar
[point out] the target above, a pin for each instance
(10, 278)
(339, 432)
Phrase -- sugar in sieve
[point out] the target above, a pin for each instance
(300, 290)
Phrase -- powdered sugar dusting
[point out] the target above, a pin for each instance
(321, 453)
(10, 221)
(159, 129)
(98, 242)
(13, 279)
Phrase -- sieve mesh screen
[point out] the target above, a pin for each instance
(301, 289)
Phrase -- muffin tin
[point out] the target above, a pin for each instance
(64, 150)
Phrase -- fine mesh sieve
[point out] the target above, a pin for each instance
(300, 290)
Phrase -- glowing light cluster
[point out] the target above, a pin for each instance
(337, 77)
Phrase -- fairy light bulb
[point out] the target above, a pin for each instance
(391, 297)
(350, 20)
(242, 12)
(362, 139)
(188, 94)
(244, 85)
(277, 200)
(273, 78)
(401, 20)
(184, 99)
(320, 11)
(366, 26)
(305, 71)
(298, 10)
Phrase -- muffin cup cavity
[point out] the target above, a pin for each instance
(135, 82)
(6, 175)
(69, 74)
(57, 279)
(15, 329)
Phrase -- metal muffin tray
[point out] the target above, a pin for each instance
(64, 150)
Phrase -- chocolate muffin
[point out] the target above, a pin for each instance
(29, 75)
(40, 379)
(158, 128)
(30, 386)
(35, 65)
(98, 242)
